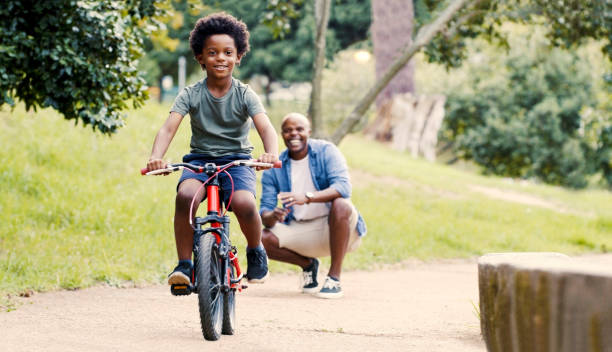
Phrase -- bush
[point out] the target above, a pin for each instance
(529, 122)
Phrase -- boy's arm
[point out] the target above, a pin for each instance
(268, 136)
(162, 141)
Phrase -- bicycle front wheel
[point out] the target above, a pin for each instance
(229, 306)
(210, 295)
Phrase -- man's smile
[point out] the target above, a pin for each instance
(295, 142)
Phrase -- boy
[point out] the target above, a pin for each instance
(220, 108)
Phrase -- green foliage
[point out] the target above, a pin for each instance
(77, 57)
(279, 14)
(530, 120)
(291, 59)
(571, 23)
(164, 48)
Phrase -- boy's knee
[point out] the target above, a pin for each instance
(184, 198)
(243, 205)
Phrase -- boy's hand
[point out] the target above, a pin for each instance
(267, 158)
(156, 164)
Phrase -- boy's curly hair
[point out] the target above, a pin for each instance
(219, 23)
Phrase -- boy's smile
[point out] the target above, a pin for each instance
(219, 56)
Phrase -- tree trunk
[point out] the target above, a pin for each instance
(392, 24)
(423, 37)
(322, 9)
(268, 91)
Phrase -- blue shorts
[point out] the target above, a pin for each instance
(243, 176)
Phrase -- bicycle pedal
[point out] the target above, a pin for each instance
(244, 286)
(180, 290)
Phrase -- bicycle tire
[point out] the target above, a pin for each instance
(210, 297)
(229, 308)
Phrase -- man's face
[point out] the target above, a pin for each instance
(295, 132)
(219, 56)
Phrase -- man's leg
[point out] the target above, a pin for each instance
(310, 266)
(285, 255)
(339, 232)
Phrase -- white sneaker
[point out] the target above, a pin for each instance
(309, 278)
(331, 289)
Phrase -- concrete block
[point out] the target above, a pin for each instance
(544, 302)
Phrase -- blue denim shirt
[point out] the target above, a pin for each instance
(327, 168)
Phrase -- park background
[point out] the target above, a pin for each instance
(523, 158)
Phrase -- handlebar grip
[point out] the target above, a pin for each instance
(144, 171)
(278, 164)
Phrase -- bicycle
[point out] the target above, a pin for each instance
(216, 275)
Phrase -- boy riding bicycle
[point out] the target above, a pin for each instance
(221, 109)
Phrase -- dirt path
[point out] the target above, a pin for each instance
(420, 307)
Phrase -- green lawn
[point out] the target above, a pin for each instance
(74, 210)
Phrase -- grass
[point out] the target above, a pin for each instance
(75, 212)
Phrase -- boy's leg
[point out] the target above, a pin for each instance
(183, 233)
(243, 205)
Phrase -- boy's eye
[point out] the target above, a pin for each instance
(228, 53)
(211, 53)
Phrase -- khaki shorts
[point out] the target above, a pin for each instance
(310, 238)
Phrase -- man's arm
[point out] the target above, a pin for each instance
(162, 141)
(270, 213)
(322, 196)
(336, 171)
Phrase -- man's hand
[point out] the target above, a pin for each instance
(270, 218)
(279, 214)
(290, 199)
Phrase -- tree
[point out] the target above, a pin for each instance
(77, 57)
(315, 109)
(164, 47)
(391, 30)
(443, 27)
(282, 45)
(424, 36)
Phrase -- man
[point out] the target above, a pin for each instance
(316, 218)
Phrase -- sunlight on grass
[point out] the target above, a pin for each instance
(75, 211)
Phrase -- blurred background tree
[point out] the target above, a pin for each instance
(78, 57)
(282, 58)
(535, 116)
(166, 45)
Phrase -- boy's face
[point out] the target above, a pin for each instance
(219, 56)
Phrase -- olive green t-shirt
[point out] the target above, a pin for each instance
(219, 126)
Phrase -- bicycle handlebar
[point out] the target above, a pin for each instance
(199, 169)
